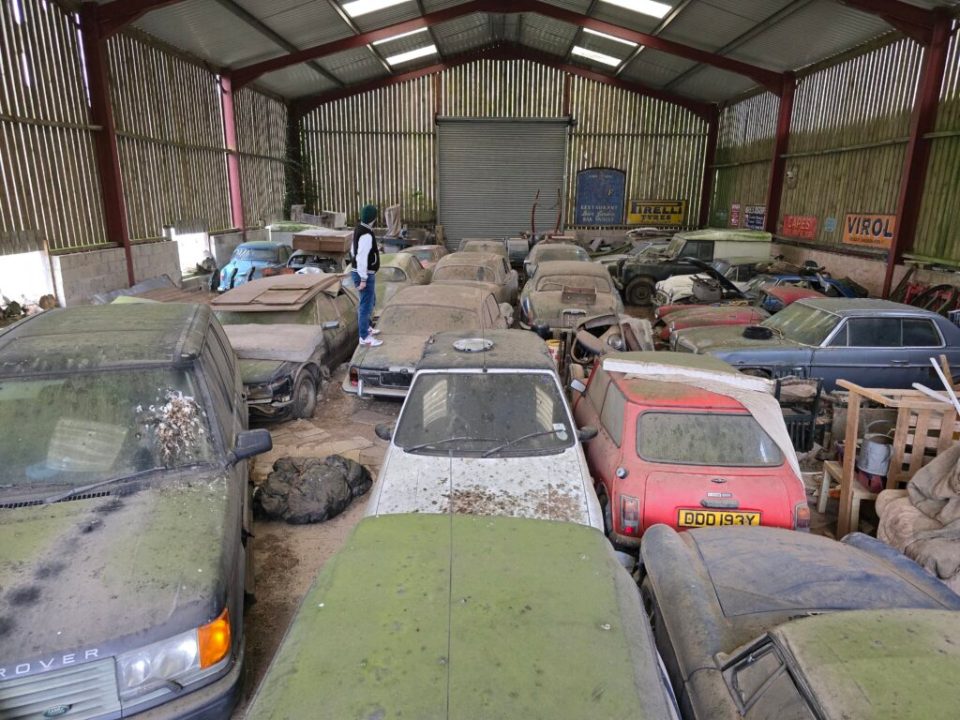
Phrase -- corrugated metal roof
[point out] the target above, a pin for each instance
(713, 25)
(546, 34)
(655, 69)
(711, 84)
(463, 34)
(302, 23)
(296, 81)
(355, 66)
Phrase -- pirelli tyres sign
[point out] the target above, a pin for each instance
(661, 213)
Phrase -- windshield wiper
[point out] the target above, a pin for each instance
(434, 443)
(109, 481)
(538, 433)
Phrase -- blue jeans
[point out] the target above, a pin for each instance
(368, 296)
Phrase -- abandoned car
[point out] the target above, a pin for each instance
(307, 261)
(724, 600)
(408, 320)
(489, 247)
(881, 343)
(564, 292)
(289, 332)
(705, 283)
(483, 411)
(687, 442)
(472, 621)
(397, 271)
(428, 255)
(482, 269)
(125, 546)
(546, 251)
(249, 260)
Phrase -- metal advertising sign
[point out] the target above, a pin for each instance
(735, 215)
(601, 194)
(876, 231)
(801, 227)
(657, 212)
(756, 215)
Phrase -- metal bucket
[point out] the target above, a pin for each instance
(876, 449)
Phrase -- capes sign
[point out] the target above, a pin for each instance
(803, 227)
(876, 231)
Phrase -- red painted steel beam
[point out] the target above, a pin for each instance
(504, 52)
(233, 157)
(709, 158)
(911, 20)
(913, 175)
(106, 154)
(113, 16)
(769, 79)
(780, 145)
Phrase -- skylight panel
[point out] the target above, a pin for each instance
(362, 7)
(644, 7)
(411, 55)
(397, 37)
(609, 37)
(595, 56)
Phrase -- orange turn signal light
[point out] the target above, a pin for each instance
(214, 640)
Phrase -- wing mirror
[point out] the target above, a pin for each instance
(384, 431)
(577, 385)
(330, 324)
(248, 444)
(587, 432)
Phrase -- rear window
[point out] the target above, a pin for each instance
(556, 283)
(475, 273)
(701, 439)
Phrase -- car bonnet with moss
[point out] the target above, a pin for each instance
(124, 514)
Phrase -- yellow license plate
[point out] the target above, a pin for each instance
(715, 518)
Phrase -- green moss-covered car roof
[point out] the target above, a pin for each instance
(440, 616)
(878, 664)
(100, 336)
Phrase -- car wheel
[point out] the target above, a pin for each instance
(304, 396)
(639, 291)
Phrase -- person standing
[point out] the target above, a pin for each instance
(365, 260)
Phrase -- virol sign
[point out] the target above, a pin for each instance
(876, 231)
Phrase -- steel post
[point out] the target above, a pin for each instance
(780, 145)
(709, 157)
(233, 157)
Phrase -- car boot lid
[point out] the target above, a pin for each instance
(285, 342)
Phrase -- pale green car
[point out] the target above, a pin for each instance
(397, 271)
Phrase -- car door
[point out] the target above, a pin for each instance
(603, 452)
(865, 350)
(492, 313)
(699, 249)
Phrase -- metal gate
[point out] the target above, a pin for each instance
(489, 172)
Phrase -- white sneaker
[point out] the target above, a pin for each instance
(371, 341)
(374, 331)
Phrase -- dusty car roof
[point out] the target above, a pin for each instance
(856, 306)
(259, 245)
(462, 296)
(571, 267)
(565, 247)
(414, 248)
(465, 620)
(730, 235)
(280, 292)
(511, 349)
(879, 663)
(469, 258)
(103, 336)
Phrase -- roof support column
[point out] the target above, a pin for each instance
(780, 146)
(233, 158)
(294, 168)
(105, 140)
(709, 158)
(913, 175)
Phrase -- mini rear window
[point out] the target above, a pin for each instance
(701, 439)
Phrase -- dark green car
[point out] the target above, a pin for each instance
(458, 616)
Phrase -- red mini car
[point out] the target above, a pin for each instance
(669, 451)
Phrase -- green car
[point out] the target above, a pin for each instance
(458, 616)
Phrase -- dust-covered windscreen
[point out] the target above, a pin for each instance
(803, 324)
(557, 283)
(470, 273)
(425, 319)
(700, 439)
(88, 427)
(484, 414)
(255, 254)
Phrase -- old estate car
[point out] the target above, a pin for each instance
(564, 292)
(308, 261)
(289, 332)
(468, 617)
(689, 442)
(877, 342)
(725, 604)
(545, 251)
(397, 271)
(249, 260)
(125, 542)
(483, 269)
(408, 320)
(489, 247)
(428, 255)
(486, 430)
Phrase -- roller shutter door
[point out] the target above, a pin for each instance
(489, 173)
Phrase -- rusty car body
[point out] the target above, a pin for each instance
(481, 270)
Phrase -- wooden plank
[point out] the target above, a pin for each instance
(849, 460)
(919, 442)
(895, 472)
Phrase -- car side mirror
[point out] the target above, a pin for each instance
(577, 385)
(587, 432)
(248, 444)
(330, 324)
(384, 431)
(506, 309)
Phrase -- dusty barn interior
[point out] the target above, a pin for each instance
(372, 359)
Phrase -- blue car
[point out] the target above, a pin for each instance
(249, 260)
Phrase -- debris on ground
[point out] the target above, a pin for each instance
(309, 490)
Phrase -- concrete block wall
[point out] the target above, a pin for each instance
(79, 276)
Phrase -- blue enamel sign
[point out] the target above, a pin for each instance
(600, 196)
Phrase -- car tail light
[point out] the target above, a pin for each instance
(354, 377)
(801, 516)
(629, 515)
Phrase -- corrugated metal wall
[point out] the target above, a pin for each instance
(938, 229)
(49, 192)
(170, 139)
(262, 139)
(380, 146)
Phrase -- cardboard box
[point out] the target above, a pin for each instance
(329, 241)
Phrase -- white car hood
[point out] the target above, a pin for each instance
(547, 487)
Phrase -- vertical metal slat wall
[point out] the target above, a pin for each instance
(261, 140)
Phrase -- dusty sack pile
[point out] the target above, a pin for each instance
(309, 490)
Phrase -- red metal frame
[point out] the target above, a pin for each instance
(782, 141)
(914, 172)
(233, 158)
(709, 158)
(105, 139)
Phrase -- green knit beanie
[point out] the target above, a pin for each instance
(368, 213)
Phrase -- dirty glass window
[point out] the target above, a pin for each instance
(612, 416)
(803, 324)
(873, 332)
(920, 333)
(597, 389)
(256, 254)
(391, 274)
(83, 428)
(561, 253)
(559, 282)
(701, 439)
(423, 253)
(761, 684)
(423, 319)
(472, 273)
(473, 413)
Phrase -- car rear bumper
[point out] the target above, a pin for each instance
(373, 390)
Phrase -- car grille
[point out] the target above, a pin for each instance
(395, 379)
(74, 693)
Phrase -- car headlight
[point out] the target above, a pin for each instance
(181, 659)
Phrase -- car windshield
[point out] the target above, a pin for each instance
(255, 254)
(391, 274)
(423, 254)
(803, 324)
(425, 319)
(559, 282)
(476, 273)
(484, 411)
(673, 249)
(92, 426)
(562, 253)
(700, 439)
(305, 316)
